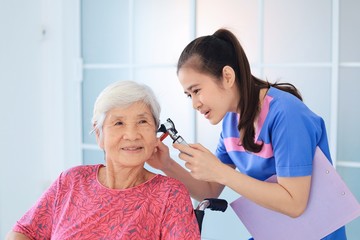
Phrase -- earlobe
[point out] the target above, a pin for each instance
(228, 76)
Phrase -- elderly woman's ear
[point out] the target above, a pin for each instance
(99, 139)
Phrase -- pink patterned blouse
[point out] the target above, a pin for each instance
(77, 206)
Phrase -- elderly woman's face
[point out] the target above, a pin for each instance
(129, 135)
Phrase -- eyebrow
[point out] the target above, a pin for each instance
(145, 114)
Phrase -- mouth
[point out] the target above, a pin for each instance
(206, 114)
(132, 148)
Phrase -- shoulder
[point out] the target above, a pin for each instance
(82, 170)
(166, 180)
(284, 100)
(284, 104)
(171, 191)
(79, 172)
(168, 183)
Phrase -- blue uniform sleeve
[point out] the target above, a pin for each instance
(221, 152)
(296, 131)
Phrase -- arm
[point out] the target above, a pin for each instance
(198, 189)
(289, 196)
(16, 236)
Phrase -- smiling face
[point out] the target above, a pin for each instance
(209, 96)
(129, 135)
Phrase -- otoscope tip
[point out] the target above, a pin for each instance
(162, 128)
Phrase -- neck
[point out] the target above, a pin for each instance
(262, 95)
(122, 178)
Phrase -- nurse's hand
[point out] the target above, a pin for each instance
(201, 162)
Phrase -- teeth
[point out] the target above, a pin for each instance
(131, 148)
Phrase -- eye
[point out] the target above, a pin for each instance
(188, 95)
(143, 121)
(196, 91)
(118, 123)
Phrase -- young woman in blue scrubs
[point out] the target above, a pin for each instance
(266, 130)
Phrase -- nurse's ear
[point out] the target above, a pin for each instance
(228, 75)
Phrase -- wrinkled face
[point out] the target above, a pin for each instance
(129, 135)
(209, 97)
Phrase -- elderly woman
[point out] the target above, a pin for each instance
(121, 199)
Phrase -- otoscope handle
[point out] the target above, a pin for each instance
(180, 140)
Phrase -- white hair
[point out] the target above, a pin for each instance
(122, 94)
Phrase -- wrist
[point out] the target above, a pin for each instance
(225, 172)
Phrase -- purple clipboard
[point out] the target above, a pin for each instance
(331, 205)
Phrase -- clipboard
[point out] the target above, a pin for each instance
(331, 205)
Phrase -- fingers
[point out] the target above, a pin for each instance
(184, 148)
(188, 165)
(185, 152)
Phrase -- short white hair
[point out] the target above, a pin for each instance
(122, 94)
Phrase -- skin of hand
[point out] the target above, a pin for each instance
(202, 163)
(160, 159)
(16, 236)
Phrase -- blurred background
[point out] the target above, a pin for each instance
(57, 55)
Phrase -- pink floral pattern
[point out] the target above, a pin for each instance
(77, 206)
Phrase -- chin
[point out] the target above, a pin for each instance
(214, 121)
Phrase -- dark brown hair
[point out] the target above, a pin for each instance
(210, 54)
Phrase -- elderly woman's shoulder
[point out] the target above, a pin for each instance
(82, 170)
(169, 181)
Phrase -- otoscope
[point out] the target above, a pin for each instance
(168, 129)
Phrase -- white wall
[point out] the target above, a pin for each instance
(36, 73)
(21, 108)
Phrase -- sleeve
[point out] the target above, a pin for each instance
(179, 222)
(229, 129)
(221, 152)
(295, 134)
(36, 223)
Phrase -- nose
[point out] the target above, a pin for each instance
(131, 133)
(196, 103)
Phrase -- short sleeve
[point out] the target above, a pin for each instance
(221, 152)
(295, 134)
(36, 223)
(229, 130)
(179, 222)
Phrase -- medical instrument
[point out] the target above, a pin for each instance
(168, 129)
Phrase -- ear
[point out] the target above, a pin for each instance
(99, 140)
(228, 76)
